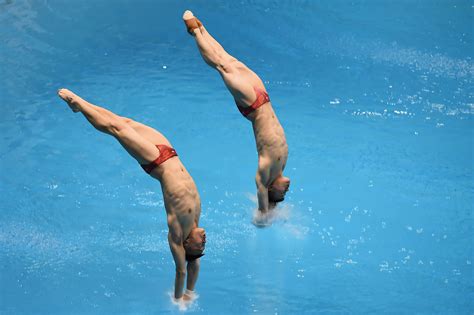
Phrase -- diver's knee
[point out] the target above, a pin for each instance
(126, 120)
(226, 65)
(129, 122)
(116, 127)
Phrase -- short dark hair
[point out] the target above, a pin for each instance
(193, 257)
(272, 198)
(191, 251)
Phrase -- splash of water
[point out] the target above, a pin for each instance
(281, 213)
(184, 305)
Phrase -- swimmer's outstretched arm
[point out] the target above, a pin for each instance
(261, 180)
(175, 240)
(193, 272)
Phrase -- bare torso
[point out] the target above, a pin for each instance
(269, 135)
(270, 140)
(180, 195)
(181, 198)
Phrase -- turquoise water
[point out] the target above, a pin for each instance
(376, 100)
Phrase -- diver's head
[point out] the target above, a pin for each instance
(278, 189)
(195, 243)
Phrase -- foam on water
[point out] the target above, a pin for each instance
(184, 305)
(281, 213)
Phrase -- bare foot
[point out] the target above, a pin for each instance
(192, 23)
(187, 15)
(71, 99)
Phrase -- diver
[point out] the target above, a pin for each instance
(253, 103)
(181, 198)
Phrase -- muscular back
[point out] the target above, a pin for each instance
(181, 198)
(269, 135)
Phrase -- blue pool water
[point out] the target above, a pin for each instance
(376, 98)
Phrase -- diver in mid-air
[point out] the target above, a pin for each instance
(254, 103)
(156, 156)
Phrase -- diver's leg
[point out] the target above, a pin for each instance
(214, 43)
(143, 130)
(211, 56)
(147, 132)
(105, 121)
(238, 79)
(218, 59)
(193, 24)
(211, 51)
